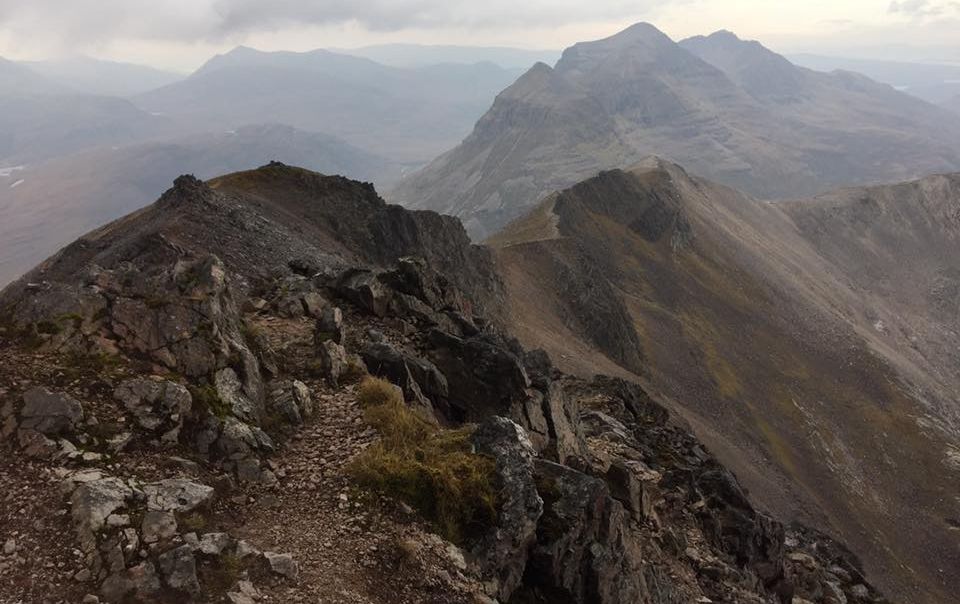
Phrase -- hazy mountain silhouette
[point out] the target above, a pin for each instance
(105, 78)
(404, 114)
(728, 109)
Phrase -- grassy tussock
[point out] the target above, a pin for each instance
(430, 468)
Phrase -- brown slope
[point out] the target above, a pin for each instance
(760, 340)
(610, 102)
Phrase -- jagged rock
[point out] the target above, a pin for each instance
(413, 276)
(330, 325)
(92, 503)
(333, 361)
(158, 526)
(730, 521)
(626, 488)
(563, 414)
(179, 570)
(421, 381)
(502, 553)
(139, 582)
(314, 304)
(157, 405)
(484, 378)
(177, 495)
(291, 400)
(365, 289)
(584, 553)
(232, 394)
(214, 544)
(49, 413)
(283, 565)
(245, 549)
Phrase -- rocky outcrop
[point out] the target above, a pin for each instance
(157, 405)
(503, 552)
(157, 560)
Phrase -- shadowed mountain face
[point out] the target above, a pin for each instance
(811, 343)
(725, 108)
(45, 206)
(406, 114)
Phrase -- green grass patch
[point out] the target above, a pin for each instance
(430, 468)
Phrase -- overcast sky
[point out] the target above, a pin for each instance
(181, 34)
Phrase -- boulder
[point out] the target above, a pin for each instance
(139, 583)
(421, 381)
(178, 568)
(158, 526)
(333, 361)
(177, 495)
(92, 503)
(485, 378)
(157, 405)
(214, 544)
(283, 565)
(501, 555)
(49, 413)
(365, 289)
(330, 325)
(291, 400)
(314, 304)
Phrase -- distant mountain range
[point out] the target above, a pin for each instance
(105, 78)
(420, 55)
(726, 108)
(408, 115)
(929, 81)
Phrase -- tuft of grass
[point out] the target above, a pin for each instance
(192, 523)
(430, 468)
(206, 398)
(376, 391)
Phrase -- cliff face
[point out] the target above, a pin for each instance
(793, 337)
(187, 375)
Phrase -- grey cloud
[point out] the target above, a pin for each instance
(923, 8)
(71, 21)
(387, 15)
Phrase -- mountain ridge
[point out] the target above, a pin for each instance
(638, 93)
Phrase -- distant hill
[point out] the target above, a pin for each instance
(43, 207)
(729, 109)
(929, 81)
(19, 80)
(407, 115)
(420, 55)
(105, 78)
(35, 127)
